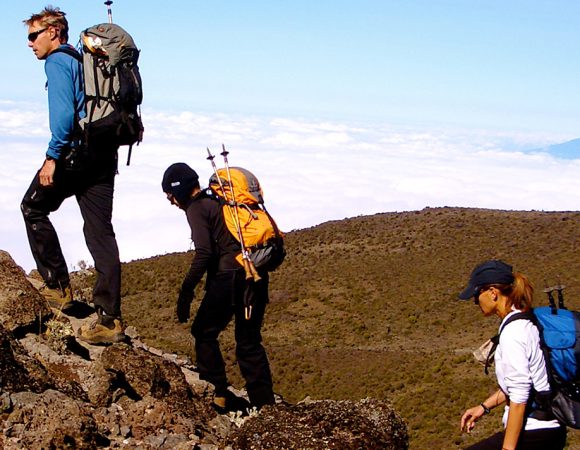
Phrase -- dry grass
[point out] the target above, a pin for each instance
(367, 307)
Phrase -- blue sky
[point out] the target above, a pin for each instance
(421, 103)
(504, 64)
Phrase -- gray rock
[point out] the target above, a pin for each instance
(18, 371)
(21, 305)
(5, 403)
(52, 420)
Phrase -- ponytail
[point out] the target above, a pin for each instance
(520, 293)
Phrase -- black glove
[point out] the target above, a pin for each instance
(183, 305)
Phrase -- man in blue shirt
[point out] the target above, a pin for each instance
(64, 174)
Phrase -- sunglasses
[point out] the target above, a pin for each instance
(477, 292)
(32, 36)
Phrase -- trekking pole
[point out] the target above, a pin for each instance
(249, 268)
(109, 12)
(211, 157)
(548, 291)
(215, 170)
(560, 288)
(245, 255)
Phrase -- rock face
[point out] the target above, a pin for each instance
(19, 372)
(58, 393)
(50, 420)
(20, 303)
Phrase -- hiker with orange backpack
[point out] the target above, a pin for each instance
(227, 291)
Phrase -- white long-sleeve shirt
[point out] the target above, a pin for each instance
(520, 365)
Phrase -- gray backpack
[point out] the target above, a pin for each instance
(112, 85)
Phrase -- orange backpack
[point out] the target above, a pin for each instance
(262, 238)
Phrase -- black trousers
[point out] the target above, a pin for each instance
(93, 188)
(224, 299)
(542, 439)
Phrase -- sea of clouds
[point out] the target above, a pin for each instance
(311, 171)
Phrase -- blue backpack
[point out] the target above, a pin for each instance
(560, 341)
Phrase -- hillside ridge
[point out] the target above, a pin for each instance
(367, 306)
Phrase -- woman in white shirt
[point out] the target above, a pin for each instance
(519, 363)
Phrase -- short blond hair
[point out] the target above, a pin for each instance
(51, 17)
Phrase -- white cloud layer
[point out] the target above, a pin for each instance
(310, 171)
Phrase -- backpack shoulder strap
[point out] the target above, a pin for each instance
(69, 51)
(529, 315)
(209, 193)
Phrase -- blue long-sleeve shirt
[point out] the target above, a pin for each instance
(66, 100)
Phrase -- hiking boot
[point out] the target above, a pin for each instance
(104, 330)
(61, 299)
(229, 402)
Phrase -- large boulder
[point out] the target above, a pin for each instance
(135, 373)
(50, 420)
(22, 371)
(21, 305)
(345, 425)
(150, 419)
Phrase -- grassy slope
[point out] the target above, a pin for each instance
(367, 307)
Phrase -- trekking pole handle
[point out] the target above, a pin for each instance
(250, 269)
(560, 289)
(255, 275)
(109, 12)
(549, 292)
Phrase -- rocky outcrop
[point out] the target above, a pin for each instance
(345, 425)
(18, 371)
(56, 392)
(50, 420)
(21, 305)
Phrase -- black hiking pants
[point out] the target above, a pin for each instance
(224, 299)
(541, 439)
(93, 188)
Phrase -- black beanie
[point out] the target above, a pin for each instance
(179, 180)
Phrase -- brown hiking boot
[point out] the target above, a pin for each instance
(229, 402)
(104, 330)
(61, 299)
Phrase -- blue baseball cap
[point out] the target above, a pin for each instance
(490, 272)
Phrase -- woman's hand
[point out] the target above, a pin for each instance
(471, 416)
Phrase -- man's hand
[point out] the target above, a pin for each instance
(183, 305)
(46, 173)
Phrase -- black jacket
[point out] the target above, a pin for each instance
(215, 247)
